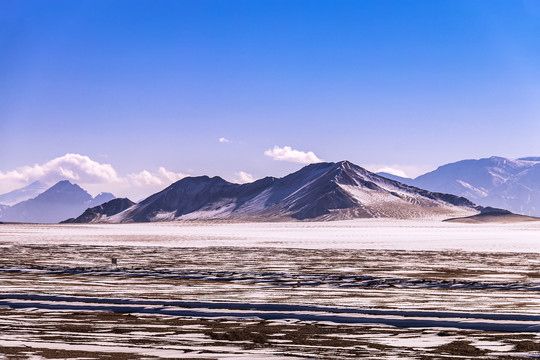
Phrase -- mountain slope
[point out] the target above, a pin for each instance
(490, 215)
(495, 181)
(403, 180)
(22, 194)
(101, 212)
(325, 191)
(62, 200)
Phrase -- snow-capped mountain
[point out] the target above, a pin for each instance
(323, 191)
(22, 194)
(103, 211)
(495, 181)
(62, 200)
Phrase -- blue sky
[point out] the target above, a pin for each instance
(141, 85)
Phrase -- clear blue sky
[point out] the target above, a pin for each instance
(144, 84)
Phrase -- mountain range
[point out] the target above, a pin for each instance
(322, 191)
(22, 194)
(62, 200)
(103, 211)
(512, 184)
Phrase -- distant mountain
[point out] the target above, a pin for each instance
(403, 180)
(101, 198)
(102, 212)
(62, 200)
(490, 215)
(323, 191)
(2, 208)
(22, 194)
(495, 181)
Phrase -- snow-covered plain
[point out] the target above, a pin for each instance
(343, 289)
(350, 234)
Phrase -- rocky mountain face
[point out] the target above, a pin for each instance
(22, 194)
(102, 212)
(495, 181)
(323, 191)
(62, 200)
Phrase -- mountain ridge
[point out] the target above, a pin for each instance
(60, 201)
(320, 191)
(512, 184)
(21, 194)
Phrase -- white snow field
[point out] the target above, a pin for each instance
(333, 290)
(349, 234)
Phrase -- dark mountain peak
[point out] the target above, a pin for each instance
(63, 184)
(317, 167)
(64, 191)
(326, 190)
(346, 164)
(107, 209)
(204, 179)
(61, 201)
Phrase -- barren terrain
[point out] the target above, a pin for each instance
(358, 289)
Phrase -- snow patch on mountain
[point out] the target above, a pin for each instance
(496, 181)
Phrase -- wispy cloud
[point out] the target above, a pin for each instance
(242, 177)
(224, 140)
(287, 153)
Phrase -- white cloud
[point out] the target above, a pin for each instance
(73, 167)
(163, 177)
(287, 153)
(89, 174)
(169, 175)
(224, 140)
(144, 178)
(243, 177)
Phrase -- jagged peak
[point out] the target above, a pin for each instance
(346, 163)
(63, 183)
(200, 179)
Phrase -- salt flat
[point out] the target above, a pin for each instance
(332, 290)
(352, 234)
